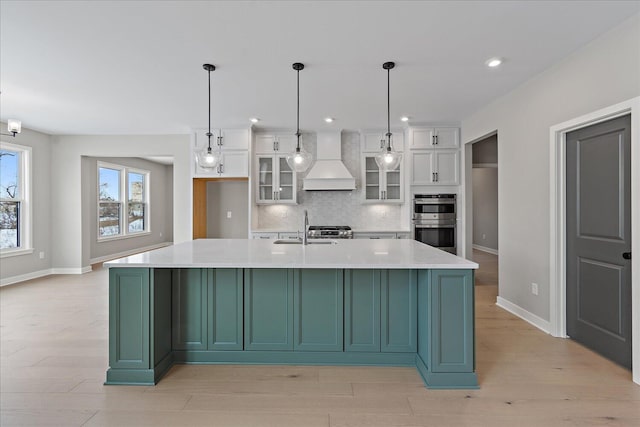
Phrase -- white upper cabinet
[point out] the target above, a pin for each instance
(234, 164)
(436, 137)
(374, 141)
(272, 143)
(435, 167)
(226, 139)
(435, 155)
(233, 147)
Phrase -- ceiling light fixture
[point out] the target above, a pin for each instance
(254, 120)
(207, 158)
(328, 120)
(299, 160)
(13, 126)
(493, 62)
(388, 159)
(404, 118)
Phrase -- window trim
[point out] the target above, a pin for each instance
(25, 221)
(124, 202)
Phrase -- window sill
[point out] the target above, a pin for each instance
(16, 252)
(126, 236)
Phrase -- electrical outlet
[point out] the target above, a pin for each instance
(283, 214)
(41, 255)
(383, 214)
(534, 288)
(484, 236)
(228, 214)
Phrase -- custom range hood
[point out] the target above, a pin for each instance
(328, 173)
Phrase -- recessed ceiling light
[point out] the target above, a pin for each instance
(493, 62)
(404, 118)
(254, 119)
(328, 119)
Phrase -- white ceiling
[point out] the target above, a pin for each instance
(118, 67)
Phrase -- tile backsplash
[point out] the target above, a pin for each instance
(332, 207)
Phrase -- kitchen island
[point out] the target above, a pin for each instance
(346, 302)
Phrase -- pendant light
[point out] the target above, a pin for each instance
(207, 158)
(388, 159)
(299, 160)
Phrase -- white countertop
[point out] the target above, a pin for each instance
(257, 253)
(355, 230)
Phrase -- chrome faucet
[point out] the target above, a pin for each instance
(305, 227)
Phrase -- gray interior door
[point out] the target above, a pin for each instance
(599, 238)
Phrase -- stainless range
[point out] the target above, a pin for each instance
(434, 220)
(330, 232)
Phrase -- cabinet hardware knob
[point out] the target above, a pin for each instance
(626, 255)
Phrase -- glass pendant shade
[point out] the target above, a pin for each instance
(388, 159)
(208, 159)
(299, 160)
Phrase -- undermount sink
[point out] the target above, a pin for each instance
(299, 242)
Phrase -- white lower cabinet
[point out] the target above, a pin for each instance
(276, 235)
(374, 235)
(264, 235)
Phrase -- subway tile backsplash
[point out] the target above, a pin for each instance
(332, 207)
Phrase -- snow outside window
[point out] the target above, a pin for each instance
(122, 201)
(15, 211)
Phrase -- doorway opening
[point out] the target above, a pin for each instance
(484, 185)
(220, 208)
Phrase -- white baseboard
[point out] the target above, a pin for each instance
(536, 321)
(48, 272)
(22, 277)
(72, 270)
(485, 249)
(129, 252)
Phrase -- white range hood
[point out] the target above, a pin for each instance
(328, 173)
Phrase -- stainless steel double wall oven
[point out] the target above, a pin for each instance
(434, 220)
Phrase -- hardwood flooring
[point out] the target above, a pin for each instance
(53, 358)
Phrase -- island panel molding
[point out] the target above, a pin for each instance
(168, 313)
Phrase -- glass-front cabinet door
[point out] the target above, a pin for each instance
(393, 191)
(379, 186)
(372, 179)
(286, 180)
(276, 181)
(266, 190)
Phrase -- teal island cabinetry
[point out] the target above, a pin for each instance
(397, 303)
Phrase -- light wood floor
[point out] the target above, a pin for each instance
(54, 355)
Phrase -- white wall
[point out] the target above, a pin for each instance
(603, 73)
(485, 207)
(223, 197)
(29, 265)
(71, 253)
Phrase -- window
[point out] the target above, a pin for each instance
(15, 218)
(122, 201)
